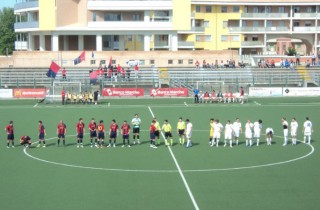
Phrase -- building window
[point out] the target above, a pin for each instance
(102, 62)
(296, 9)
(308, 23)
(180, 61)
(136, 17)
(224, 38)
(198, 8)
(269, 9)
(170, 61)
(112, 17)
(281, 9)
(224, 24)
(235, 38)
(206, 24)
(92, 62)
(224, 9)
(190, 61)
(255, 10)
(94, 16)
(208, 38)
(129, 38)
(255, 38)
(208, 9)
(198, 38)
(255, 23)
(236, 9)
(152, 62)
(296, 24)
(140, 38)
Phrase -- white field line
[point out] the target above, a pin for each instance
(257, 103)
(180, 171)
(36, 105)
(185, 103)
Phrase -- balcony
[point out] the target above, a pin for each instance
(257, 29)
(305, 15)
(252, 44)
(161, 44)
(305, 29)
(265, 15)
(130, 25)
(26, 6)
(20, 45)
(198, 29)
(126, 5)
(26, 25)
(185, 45)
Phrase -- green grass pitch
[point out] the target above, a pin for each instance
(264, 177)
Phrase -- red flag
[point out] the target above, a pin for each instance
(110, 63)
(81, 58)
(53, 70)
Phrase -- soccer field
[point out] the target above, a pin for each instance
(200, 177)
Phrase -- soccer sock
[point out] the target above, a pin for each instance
(210, 141)
(134, 137)
(44, 142)
(58, 141)
(309, 139)
(217, 142)
(110, 141)
(138, 137)
(159, 141)
(114, 141)
(8, 144)
(12, 142)
(166, 141)
(78, 141)
(188, 143)
(102, 142)
(124, 142)
(250, 142)
(237, 141)
(230, 143)
(171, 142)
(225, 142)
(95, 141)
(128, 142)
(64, 142)
(180, 140)
(39, 142)
(246, 142)
(91, 141)
(258, 140)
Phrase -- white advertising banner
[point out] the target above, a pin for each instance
(314, 91)
(5, 93)
(265, 91)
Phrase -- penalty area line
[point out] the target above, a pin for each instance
(180, 171)
(185, 103)
(257, 103)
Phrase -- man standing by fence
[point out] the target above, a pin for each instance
(63, 96)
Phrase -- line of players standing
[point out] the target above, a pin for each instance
(253, 132)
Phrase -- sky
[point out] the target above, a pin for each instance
(7, 3)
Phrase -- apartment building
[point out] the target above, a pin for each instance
(248, 26)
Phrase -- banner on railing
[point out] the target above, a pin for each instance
(123, 92)
(5, 93)
(301, 91)
(169, 92)
(265, 91)
(29, 93)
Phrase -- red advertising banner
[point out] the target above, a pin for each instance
(175, 92)
(125, 92)
(29, 93)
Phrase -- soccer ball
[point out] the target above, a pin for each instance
(95, 103)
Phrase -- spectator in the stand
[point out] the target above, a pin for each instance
(213, 96)
(197, 64)
(201, 97)
(308, 64)
(313, 59)
(241, 95)
(222, 64)
(204, 64)
(287, 63)
(216, 64)
(128, 73)
(297, 59)
(119, 69)
(281, 63)
(64, 74)
(136, 71)
(226, 97)
(196, 95)
(231, 96)
(220, 96)
(272, 64)
(123, 74)
(206, 97)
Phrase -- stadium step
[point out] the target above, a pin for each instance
(304, 73)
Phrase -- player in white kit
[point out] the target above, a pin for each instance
(269, 135)
(188, 133)
(228, 133)
(248, 133)
(217, 129)
(285, 130)
(294, 130)
(307, 131)
(257, 126)
(237, 129)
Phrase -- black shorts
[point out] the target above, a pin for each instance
(157, 134)
(168, 134)
(41, 136)
(93, 134)
(101, 135)
(10, 137)
(126, 136)
(113, 135)
(136, 130)
(181, 131)
(152, 136)
(80, 136)
(61, 135)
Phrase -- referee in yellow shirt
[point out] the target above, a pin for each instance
(167, 133)
(181, 126)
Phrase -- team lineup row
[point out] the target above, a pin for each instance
(231, 132)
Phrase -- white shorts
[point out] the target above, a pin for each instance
(188, 135)
(228, 136)
(285, 132)
(248, 135)
(307, 133)
(256, 135)
(293, 133)
(216, 135)
(236, 134)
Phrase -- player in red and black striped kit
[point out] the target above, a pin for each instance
(125, 131)
(42, 133)
(10, 134)
(25, 141)
(113, 133)
(101, 131)
(80, 132)
(61, 132)
(152, 130)
(93, 132)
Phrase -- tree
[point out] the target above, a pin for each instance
(7, 35)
